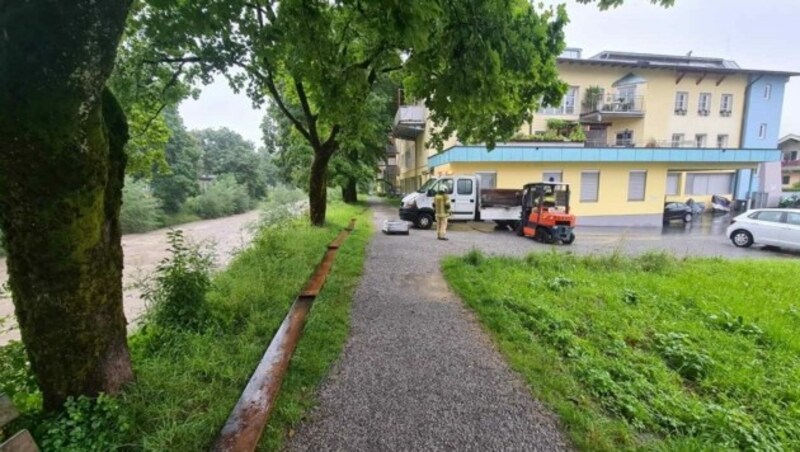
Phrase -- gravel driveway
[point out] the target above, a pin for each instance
(418, 372)
(143, 252)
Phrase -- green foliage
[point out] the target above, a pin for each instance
(651, 352)
(141, 211)
(85, 424)
(177, 300)
(180, 179)
(577, 135)
(557, 130)
(282, 204)
(222, 198)
(226, 152)
(16, 378)
(606, 4)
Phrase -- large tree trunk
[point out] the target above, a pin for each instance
(318, 187)
(350, 191)
(61, 173)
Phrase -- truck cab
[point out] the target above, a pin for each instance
(468, 201)
(417, 207)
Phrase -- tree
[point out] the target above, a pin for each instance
(183, 156)
(227, 152)
(62, 165)
(479, 66)
(605, 4)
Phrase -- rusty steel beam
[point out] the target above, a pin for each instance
(246, 423)
(244, 426)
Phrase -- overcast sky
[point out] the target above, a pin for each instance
(757, 34)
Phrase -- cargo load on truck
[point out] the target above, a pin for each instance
(501, 197)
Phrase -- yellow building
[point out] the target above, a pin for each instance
(647, 129)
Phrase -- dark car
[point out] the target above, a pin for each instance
(677, 211)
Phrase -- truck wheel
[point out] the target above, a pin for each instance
(424, 221)
(570, 239)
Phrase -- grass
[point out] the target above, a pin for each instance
(648, 353)
(187, 381)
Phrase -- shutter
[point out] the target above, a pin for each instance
(636, 185)
(673, 180)
(590, 186)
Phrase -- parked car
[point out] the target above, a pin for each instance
(774, 227)
(677, 211)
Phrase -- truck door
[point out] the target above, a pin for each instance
(463, 199)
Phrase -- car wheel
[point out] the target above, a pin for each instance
(742, 238)
(687, 218)
(424, 221)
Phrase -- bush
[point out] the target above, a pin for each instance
(282, 204)
(85, 425)
(16, 378)
(178, 298)
(141, 211)
(224, 197)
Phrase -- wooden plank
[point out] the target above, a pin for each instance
(7, 410)
(21, 442)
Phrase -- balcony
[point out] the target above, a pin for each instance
(791, 165)
(409, 122)
(612, 106)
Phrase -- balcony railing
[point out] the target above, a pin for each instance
(613, 103)
(409, 122)
(790, 163)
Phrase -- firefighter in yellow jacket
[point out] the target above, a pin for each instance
(441, 204)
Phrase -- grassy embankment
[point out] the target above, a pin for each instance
(652, 352)
(188, 380)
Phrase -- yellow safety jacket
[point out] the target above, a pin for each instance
(441, 205)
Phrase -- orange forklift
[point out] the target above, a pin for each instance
(545, 213)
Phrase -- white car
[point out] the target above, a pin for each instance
(774, 227)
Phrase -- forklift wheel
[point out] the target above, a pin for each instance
(544, 235)
(519, 229)
(570, 239)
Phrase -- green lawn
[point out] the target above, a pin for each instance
(187, 381)
(652, 352)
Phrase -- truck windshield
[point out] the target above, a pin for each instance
(427, 186)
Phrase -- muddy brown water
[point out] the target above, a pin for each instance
(143, 252)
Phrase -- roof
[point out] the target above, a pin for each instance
(686, 63)
(789, 137)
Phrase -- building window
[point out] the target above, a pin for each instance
(681, 103)
(637, 184)
(704, 106)
(590, 186)
(567, 106)
(768, 91)
(673, 184)
(785, 179)
(762, 131)
(722, 141)
(708, 184)
(677, 140)
(726, 105)
(700, 140)
(464, 186)
(487, 179)
(624, 138)
(551, 176)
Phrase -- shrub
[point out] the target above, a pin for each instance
(141, 211)
(222, 198)
(16, 378)
(85, 425)
(282, 204)
(177, 300)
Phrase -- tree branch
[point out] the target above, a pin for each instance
(330, 144)
(311, 118)
(182, 60)
(276, 96)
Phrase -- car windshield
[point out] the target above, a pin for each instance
(427, 186)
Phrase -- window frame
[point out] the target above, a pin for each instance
(644, 185)
(704, 104)
(681, 103)
(762, 131)
(597, 187)
(726, 110)
(767, 91)
(677, 143)
(471, 186)
(725, 144)
(697, 140)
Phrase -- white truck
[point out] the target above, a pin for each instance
(468, 201)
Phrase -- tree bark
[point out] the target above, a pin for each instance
(62, 166)
(318, 187)
(350, 191)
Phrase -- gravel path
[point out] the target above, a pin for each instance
(418, 372)
(143, 252)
